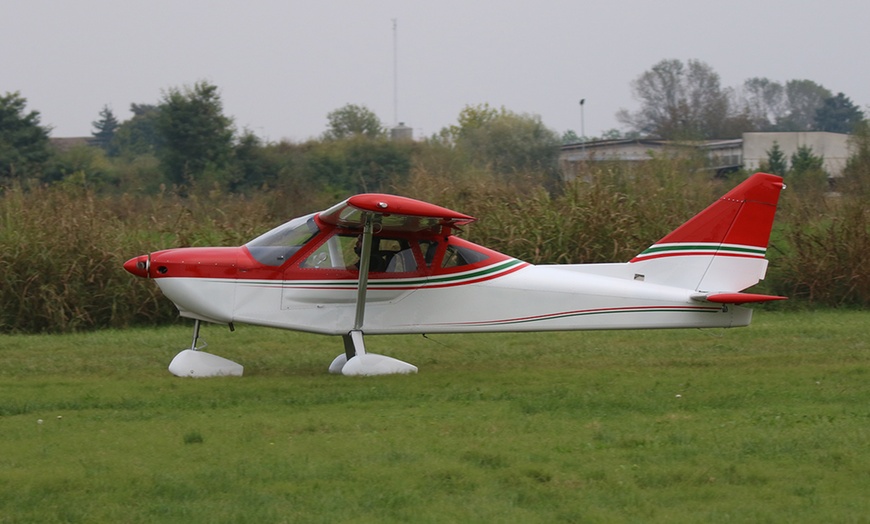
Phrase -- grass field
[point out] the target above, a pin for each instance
(769, 423)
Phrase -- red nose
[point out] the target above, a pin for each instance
(138, 266)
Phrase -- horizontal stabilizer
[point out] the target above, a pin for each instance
(735, 298)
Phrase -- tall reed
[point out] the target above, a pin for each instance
(62, 250)
(825, 243)
(62, 247)
(608, 213)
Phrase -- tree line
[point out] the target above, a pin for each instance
(686, 100)
(185, 140)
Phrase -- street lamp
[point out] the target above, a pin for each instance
(583, 127)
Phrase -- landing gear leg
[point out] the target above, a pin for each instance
(192, 362)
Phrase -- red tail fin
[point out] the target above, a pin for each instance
(737, 226)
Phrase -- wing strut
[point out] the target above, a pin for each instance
(355, 360)
(365, 259)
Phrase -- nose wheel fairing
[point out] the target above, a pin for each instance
(192, 362)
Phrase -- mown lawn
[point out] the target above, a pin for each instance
(769, 423)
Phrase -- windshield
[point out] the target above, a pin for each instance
(278, 245)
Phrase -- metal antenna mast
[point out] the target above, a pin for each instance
(395, 75)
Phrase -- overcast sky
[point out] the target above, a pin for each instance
(282, 65)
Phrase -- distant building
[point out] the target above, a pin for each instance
(401, 133)
(723, 156)
(833, 147)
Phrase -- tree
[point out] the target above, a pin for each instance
(803, 99)
(838, 114)
(776, 161)
(681, 101)
(104, 129)
(139, 135)
(197, 138)
(24, 145)
(856, 174)
(504, 141)
(352, 121)
(803, 160)
(613, 134)
(765, 103)
(357, 164)
(471, 119)
(570, 137)
(807, 171)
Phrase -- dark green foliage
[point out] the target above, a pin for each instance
(803, 160)
(570, 137)
(838, 114)
(197, 137)
(357, 164)
(251, 167)
(83, 166)
(509, 144)
(23, 141)
(139, 135)
(104, 129)
(353, 121)
(807, 174)
(776, 161)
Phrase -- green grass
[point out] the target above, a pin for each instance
(769, 423)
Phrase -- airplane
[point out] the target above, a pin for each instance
(378, 264)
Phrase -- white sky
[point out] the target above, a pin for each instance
(282, 65)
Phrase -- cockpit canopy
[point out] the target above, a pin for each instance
(278, 245)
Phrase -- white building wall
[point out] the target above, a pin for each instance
(833, 147)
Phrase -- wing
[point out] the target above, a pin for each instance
(392, 213)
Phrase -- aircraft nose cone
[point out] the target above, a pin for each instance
(138, 266)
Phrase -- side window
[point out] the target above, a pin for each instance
(398, 256)
(457, 256)
(342, 251)
(335, 253)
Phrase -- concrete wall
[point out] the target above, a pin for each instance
(834, 147)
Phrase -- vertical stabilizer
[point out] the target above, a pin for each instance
(723, 247)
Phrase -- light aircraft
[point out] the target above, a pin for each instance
(384, 264)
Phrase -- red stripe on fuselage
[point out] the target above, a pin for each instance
(694, 254)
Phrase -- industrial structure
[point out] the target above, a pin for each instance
(723, 156)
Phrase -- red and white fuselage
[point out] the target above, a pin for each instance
(420, 278)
